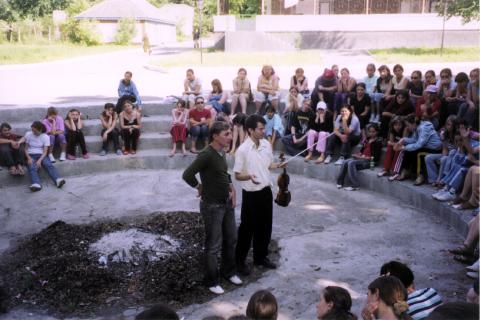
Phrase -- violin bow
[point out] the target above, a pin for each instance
(306, 149)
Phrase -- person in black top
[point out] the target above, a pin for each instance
(319, 128)
(217, 204)
(297, 140)
(361, 104)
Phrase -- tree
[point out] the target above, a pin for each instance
(38, 8)
(467, 9)
(125, 32)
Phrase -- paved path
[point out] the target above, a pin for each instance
(327, 237)
(95, 78)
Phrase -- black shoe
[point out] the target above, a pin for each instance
(266, 263)
(243, 269)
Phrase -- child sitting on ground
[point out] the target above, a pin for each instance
(372, 148)
(262, 305)
(55, 129)
(274, 127)
(74, 125)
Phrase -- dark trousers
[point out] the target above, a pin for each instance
(220, 236)
(112, 136)
(385, 126)
(130, 138)
(121, 101)
(292, 148)
(346, 148)
(10, 156)
(411, 161)
(255, 224)
(74, 138)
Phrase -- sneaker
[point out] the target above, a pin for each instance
(473, 267)
(70, 157)
(377, 118)
(35, 187)
(340, 161)
(216, 289)
(439, 193)
(119, 152)
(372, 117)
(339, 186)
(86, 156)
(62, 156)
(235, 280)
(473, 275)
(382, 173)
(328, 160)
(103, 153)
(350, 188)
(52, 159)
(394, 177)
(60, 182)
(446, 196)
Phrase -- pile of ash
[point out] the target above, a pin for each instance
(87, 269)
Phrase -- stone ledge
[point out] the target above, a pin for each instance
(418, 197)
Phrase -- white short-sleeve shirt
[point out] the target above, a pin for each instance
(254, 161)
(36, 143)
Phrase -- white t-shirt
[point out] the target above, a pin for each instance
(36, 143)
(250, 160)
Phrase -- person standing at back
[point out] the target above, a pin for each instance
(253, 160)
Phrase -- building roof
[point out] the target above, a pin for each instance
(120, 9)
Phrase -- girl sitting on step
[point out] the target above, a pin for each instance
(55, 129)
(110, 132)
(179, 126)
(74, 125)
(130, 123)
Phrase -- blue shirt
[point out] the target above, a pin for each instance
(130, 90)
(370, 83)
(273, 124)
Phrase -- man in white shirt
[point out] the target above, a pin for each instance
(253, 160)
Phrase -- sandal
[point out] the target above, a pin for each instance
(462, 250)
(464, 259)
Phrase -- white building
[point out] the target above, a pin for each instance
(149, 20)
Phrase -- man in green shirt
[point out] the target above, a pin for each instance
(217, 202)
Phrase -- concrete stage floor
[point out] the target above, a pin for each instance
(327, 236)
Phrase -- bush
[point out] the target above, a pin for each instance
(125, 32)
(81, 31)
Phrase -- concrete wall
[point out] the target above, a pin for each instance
(350, 23)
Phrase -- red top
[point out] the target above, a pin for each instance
(367, 150)
(197, 115)
(435, 107)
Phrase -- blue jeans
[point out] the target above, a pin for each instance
(200, 131)
(431, 162)
(350, 167)
(46, 164)
(220, 236)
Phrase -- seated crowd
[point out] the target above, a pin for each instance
(428, 127)
(391, 296)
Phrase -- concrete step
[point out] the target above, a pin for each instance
(93, 127)
(90, 111)
(404, 191)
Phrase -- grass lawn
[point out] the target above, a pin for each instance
(213, 59)
(406, 55)
(19, 53)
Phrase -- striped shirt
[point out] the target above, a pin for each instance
(422, 302)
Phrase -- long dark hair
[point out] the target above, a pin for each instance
(349, 108)
(393, 293)
(342, 302)
(393, 122)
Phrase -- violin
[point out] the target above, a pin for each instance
(283, 196)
